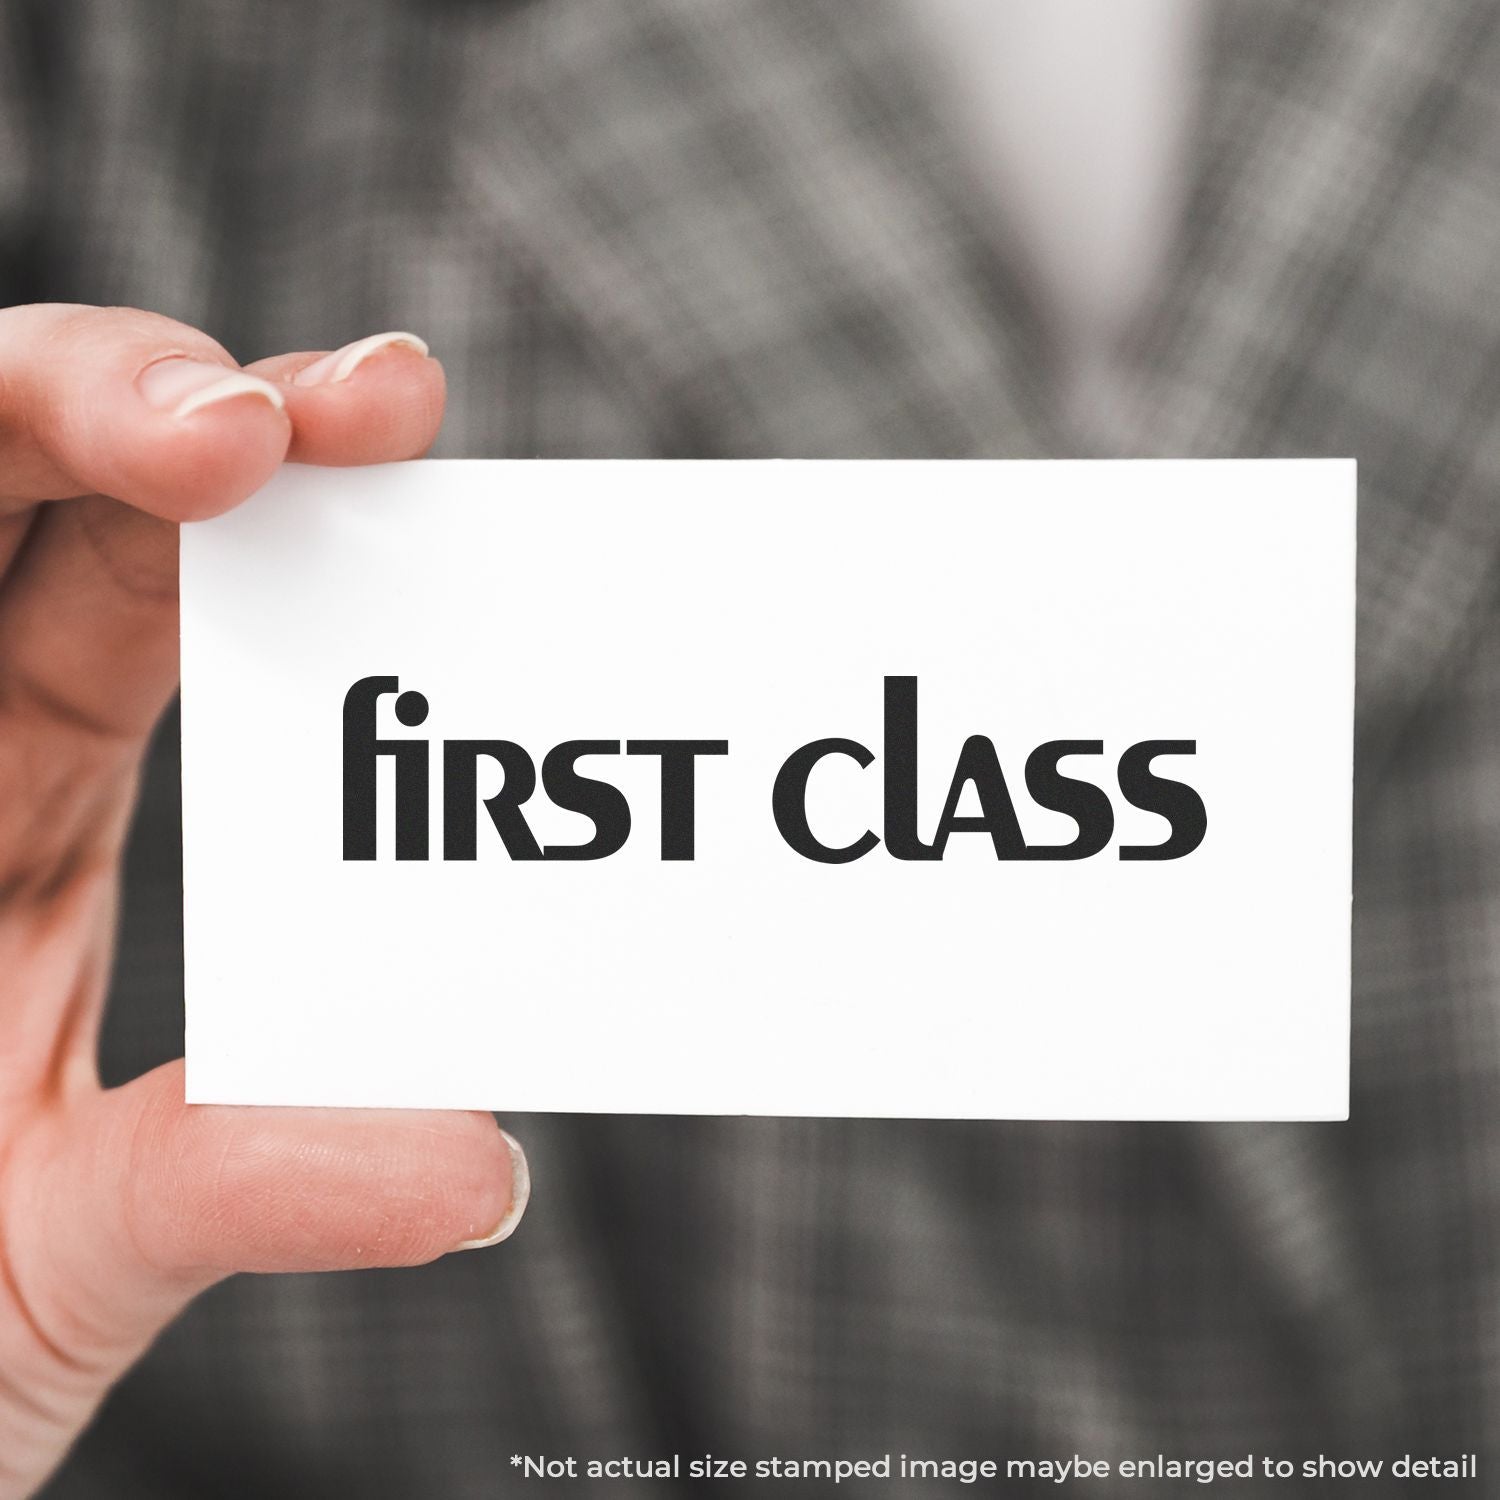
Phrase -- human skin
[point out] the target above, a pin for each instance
(119, 1205)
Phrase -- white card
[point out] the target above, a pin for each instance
(1097, 864)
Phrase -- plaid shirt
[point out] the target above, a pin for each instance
(736, 228)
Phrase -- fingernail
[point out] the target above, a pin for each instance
(182, 386)
(520, 1194)
(342, 363)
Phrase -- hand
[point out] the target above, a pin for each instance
(118, 1206)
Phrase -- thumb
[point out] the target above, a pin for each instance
(120, 1209)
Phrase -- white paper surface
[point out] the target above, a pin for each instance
(764, 604)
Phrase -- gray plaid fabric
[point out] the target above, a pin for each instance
(733, 228)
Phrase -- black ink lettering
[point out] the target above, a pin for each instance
(1177, 802)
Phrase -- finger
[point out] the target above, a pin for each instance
(88, 631)
(376, 400)
(130, 404)
(131, 1204)
(88, 626)
(115, 1214)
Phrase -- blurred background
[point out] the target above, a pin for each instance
(905, 228)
